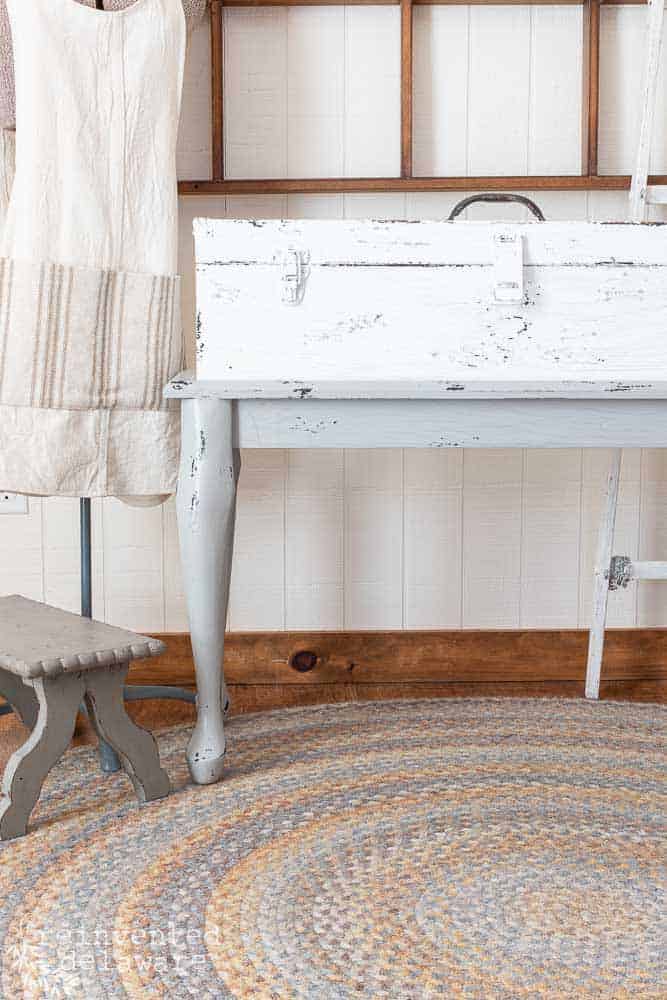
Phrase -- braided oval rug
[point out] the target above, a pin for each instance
(477, 848)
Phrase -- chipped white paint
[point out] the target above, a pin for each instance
(459, 421)
(417, 309)
(400, 243)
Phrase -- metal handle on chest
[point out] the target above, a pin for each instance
(507, 246)
(495, 197)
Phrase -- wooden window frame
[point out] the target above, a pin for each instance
(588, 180)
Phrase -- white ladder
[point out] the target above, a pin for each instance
(613, 572)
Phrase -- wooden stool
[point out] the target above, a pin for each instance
(51, 661)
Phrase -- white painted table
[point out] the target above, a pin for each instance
(411, 335)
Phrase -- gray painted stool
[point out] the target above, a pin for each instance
(51, 661)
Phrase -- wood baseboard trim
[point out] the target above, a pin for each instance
(436, 659)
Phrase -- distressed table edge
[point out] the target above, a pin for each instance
(186, 385)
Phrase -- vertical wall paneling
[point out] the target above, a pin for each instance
(133, 566)
(554, 130)
(256, 92)
(440, 117)
(433, 500)
(194, 153)
(389, 538)
(499, 84)
(62, 556)
(372, 92)
(22, 552)
(374, 538)
(551, 537)
(492, 523)
(621, 77)
(651, 603)
(175, 611)
(316, 74)
(314, 539)
(257, 598)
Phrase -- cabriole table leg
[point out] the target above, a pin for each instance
(206, 505)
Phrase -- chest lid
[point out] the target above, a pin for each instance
(351, 305)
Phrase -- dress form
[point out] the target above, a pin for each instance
(163, 13)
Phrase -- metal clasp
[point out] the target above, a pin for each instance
(294, 274)
(508, 267)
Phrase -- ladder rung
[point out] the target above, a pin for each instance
(656, 194)
(624, 569)
(649, 570)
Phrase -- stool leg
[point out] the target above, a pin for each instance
(135, 747)
(21, 697)
(601, 579)
(58, 699)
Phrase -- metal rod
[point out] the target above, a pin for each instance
(139, 692)
(86, 558)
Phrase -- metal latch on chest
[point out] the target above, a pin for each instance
(294, 273)
(508, 267)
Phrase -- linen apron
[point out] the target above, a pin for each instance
(90, 325)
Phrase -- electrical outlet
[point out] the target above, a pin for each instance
(13, 503)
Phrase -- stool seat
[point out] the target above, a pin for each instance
(37, 640)
(50, 662)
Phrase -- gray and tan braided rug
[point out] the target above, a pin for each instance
(478, 849)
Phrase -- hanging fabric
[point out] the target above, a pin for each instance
(194, 10)
(90, 325)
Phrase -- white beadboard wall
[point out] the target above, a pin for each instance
(388, 539)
